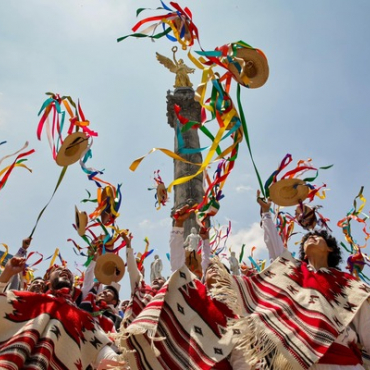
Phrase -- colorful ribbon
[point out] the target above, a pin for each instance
(177, 20)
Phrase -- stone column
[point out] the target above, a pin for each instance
(191, 192)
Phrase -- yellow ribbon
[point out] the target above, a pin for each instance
(15, 165)
(363, 199)
(321, 196)
(176, 33)
(5, 253)
(56, 253)
(205, 163)
(68, 107)
(135, 164)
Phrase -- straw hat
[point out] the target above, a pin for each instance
(306, 216)
(253, 64)
(108, 196)
(162, 195)
(109, 267)
(288, 192)
(81, 221)
(72, 149)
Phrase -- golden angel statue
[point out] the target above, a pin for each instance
(178, 67)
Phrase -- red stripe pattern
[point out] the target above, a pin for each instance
(40, 331)
(182, 327)
(296, 312)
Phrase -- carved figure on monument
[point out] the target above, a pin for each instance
(156, 268)
(179, 67)
(192, 240)
(234, 264)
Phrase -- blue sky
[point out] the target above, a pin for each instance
(314, 105)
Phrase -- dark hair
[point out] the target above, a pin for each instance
(227, 269)
(114, 291)
(37, 278)
(334, 257)
(44, 288)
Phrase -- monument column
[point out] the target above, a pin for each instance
(191, 192)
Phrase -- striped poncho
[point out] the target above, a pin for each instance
(41, 331)
(182, 327)
(293, 314)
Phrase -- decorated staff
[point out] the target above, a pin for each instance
(105, 242)
(66, 150)
(291, 190)
(108, 196)
(108, 202)
(161, 195)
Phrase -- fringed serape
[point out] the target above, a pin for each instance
(183, 327)
(140, 298)
(39, 331)
(293, 314)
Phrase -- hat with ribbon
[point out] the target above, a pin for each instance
(306, 216)
(81, 220)
(249, 67)
(72, 149)
(288, 192)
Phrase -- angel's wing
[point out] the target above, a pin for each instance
(167, 62)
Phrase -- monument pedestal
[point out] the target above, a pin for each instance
(191, 192)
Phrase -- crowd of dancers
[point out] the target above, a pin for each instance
(295, 314)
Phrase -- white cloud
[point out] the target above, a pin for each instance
(243, 188)
(160, 224)
(146, 224)
(251, 237)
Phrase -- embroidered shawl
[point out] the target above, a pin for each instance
(40, 331)
(294, 314)
(182, 327)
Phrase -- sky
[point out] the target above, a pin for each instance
(314, 105)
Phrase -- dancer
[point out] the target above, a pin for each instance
(304, 314)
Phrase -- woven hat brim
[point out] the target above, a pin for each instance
(107, 215)
(72, 149)
(260, 63)
(81, 221)
(288, 192)
(105, 271)
(161, 193)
